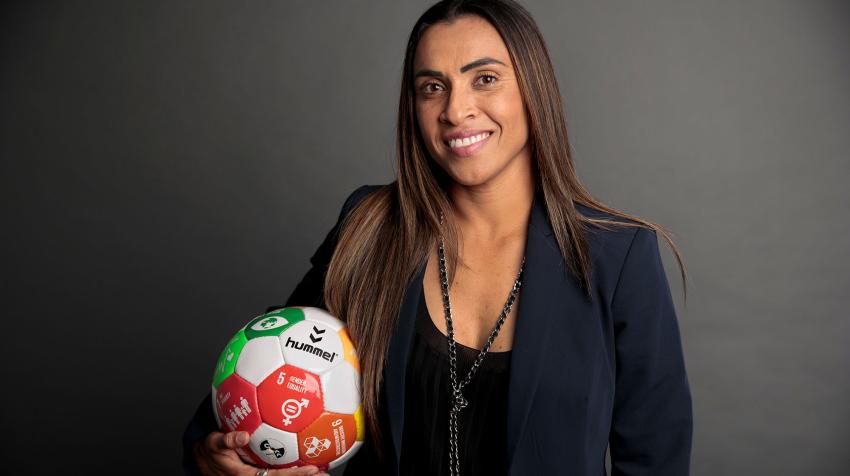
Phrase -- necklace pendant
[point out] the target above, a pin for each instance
(460, 402)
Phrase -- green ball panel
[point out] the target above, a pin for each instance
(273, 323)
(227, 360)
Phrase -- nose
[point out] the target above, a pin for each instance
(459, 106)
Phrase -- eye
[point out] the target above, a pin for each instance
(424, 87)
(487, 79)
(491, 77)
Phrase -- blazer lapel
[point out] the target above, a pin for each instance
(541, 299)
(538, 304)
(396, 364)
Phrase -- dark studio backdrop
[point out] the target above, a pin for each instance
(168, 168)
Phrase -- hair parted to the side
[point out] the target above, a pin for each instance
(386, 238)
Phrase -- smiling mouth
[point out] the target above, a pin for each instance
(467, 141)
(468, 146)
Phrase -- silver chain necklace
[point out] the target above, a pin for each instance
(457, 401)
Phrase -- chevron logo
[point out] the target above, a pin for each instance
(316, 331)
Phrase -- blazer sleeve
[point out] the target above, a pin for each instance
(308, 292)
(652, 419)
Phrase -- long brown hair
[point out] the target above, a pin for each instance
(386, 238)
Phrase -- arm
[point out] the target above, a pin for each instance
(201, 425)
(652, 421)
(308, 292)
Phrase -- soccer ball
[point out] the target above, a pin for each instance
(291, 379)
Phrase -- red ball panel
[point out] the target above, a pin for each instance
(290, 398)
(236, 405)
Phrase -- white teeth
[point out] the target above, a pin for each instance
(468, 140)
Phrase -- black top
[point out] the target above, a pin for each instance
(482, 441)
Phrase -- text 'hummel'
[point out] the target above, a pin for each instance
(329, 356)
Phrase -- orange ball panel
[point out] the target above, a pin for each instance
(327, 438)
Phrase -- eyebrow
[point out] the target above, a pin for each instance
(479, 62)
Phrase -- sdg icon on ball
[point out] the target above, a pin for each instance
(291, 379)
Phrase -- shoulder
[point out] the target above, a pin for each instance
(611, 249)
(362, 191)
(356, 196)
(611, 237)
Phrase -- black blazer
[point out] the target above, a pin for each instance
(586, 374)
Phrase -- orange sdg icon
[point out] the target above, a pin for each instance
(327, 438)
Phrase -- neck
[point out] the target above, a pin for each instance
(493, 211)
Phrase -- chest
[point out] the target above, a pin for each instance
(478, 294)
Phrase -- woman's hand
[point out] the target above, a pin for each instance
(216, 456)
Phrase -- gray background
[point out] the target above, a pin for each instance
(169, 167)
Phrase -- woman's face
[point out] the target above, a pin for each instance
(465, 89)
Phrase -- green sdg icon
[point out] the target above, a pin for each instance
(227, 360)
(273, 323)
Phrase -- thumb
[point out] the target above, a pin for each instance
(230, 440)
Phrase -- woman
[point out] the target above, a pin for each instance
(506, 321)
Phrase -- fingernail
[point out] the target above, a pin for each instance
(241, 439)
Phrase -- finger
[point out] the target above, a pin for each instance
(235, 439)
(218, 441)
(297, 471)
(214, 441)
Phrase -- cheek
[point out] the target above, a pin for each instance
(510, 114)
(424, 119)
(508, 111)
(520, 121)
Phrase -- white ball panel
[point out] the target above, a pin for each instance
(316, 314)
(274, 446)
(341, 389)
(260, 357)
(312, 346)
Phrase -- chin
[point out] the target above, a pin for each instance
(472, 171)
(471, 178)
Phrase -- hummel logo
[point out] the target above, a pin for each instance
(329, 356)
(317, 331)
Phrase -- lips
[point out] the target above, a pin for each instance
(467, 150)
(463, 134)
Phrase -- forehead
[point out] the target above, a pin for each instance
(467, 38)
